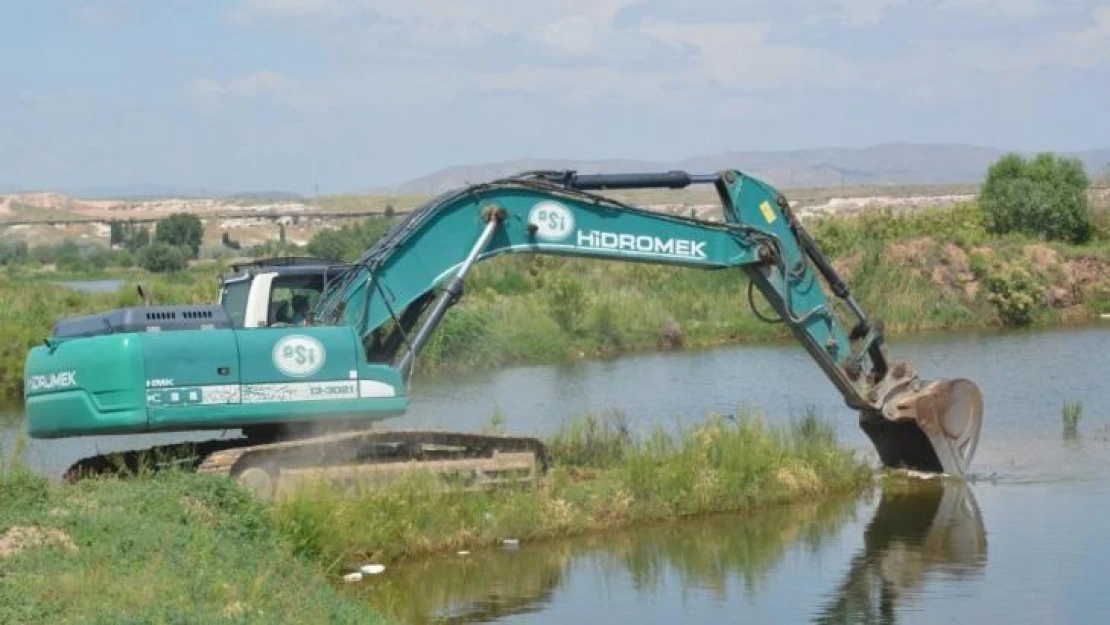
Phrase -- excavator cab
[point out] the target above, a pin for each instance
(276, 292)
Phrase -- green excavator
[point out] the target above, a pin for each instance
(304, 357)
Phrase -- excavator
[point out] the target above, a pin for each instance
(307, 392)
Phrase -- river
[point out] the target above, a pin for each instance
(1022, 541)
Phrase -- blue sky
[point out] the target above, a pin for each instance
(351, 94)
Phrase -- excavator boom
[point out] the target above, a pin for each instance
(930, 427)
(239, 364)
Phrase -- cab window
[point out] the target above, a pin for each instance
(233, 298)
(293, 297)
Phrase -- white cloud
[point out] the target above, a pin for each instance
(866, 13)
(103, 12)
(740, 55)
(284, 9)
(1085, 48)
(577, 52)
(263, 84)
(1012, 9)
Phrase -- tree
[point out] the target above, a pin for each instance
(15, 253)
(181, 229)
(348, 242)
(67, 257)
(1045, 197)
(134, 237)
(161, 258)
(115, 228)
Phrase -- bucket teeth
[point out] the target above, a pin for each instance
(933, 428)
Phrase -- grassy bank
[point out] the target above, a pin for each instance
(601, 478)
(174, 547)
(933, 270)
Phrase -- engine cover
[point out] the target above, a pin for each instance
(144, 319)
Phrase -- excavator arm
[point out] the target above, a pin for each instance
(390, 294)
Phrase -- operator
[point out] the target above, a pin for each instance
(300, 309)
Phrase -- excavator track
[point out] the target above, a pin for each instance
(363, 456)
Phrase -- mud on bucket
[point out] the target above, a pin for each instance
(934, 428)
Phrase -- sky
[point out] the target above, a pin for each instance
(335, 96)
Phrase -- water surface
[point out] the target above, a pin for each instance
(93, 286)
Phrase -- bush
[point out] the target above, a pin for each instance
(1013, 291)
(14, 253)
(161, 258)
(963, 224)
(181, 229)
(566, 302)
(1045, 197)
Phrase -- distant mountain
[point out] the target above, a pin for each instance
(889, 164)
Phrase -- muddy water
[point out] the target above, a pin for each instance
(1023, 542)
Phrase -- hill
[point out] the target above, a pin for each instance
(889, 164)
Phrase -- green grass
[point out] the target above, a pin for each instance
(173, 548)
(1071, 415)
(600, 479)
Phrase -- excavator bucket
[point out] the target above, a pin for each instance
(933, 427)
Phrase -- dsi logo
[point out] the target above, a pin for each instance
(553, 221)
(298, 355)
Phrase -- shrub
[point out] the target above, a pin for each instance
(566, 302)
(1071, 414)
(161, 258)
(1045, 197)
(1013, 291)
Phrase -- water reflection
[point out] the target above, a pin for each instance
(726, 564)
(934, 527)
(709, 554)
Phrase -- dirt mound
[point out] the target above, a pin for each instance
(21, 537)
(947, 266)
(913, 253)
(1069, 281)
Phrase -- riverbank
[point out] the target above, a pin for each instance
(601, 478)
(158, 548)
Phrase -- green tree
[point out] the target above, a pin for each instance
(135, 237)
(182, 229)
(15, 253)
(348, 242)
(161, 257)
(1045, 197)
(115, 228)
(67, 257)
